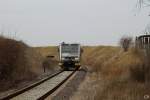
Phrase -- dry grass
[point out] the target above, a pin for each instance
(94, 57)
(124, 76)
(116, 75)
(18, 62)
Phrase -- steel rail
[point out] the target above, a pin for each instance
(14, 94)
(55, 88)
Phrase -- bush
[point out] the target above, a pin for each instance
(125, 42)
(10, 51)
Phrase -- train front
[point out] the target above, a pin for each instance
(70, 55)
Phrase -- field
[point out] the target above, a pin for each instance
(113, 75)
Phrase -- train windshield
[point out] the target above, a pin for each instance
(70, 48)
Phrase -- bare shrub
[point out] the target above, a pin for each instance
(10, 51)
(143, 3)
(125, 42)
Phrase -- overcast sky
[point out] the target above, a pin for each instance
(90, 22)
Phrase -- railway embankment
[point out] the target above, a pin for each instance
(20, 64)
(114, 75)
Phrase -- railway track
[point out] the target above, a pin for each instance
(41, 89)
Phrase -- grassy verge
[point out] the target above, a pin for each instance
(114, 74)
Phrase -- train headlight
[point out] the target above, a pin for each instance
(77, 64)
(62, 58)
(76, 58)
(60, 64)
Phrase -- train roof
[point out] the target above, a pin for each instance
(70, 43)
(141, 36)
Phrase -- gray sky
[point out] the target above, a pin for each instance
(91, 22)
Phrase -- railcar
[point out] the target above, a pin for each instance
(69, 55)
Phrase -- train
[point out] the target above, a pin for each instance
(70, 55)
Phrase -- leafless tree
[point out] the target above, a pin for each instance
(125, 42)
(143, 3)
